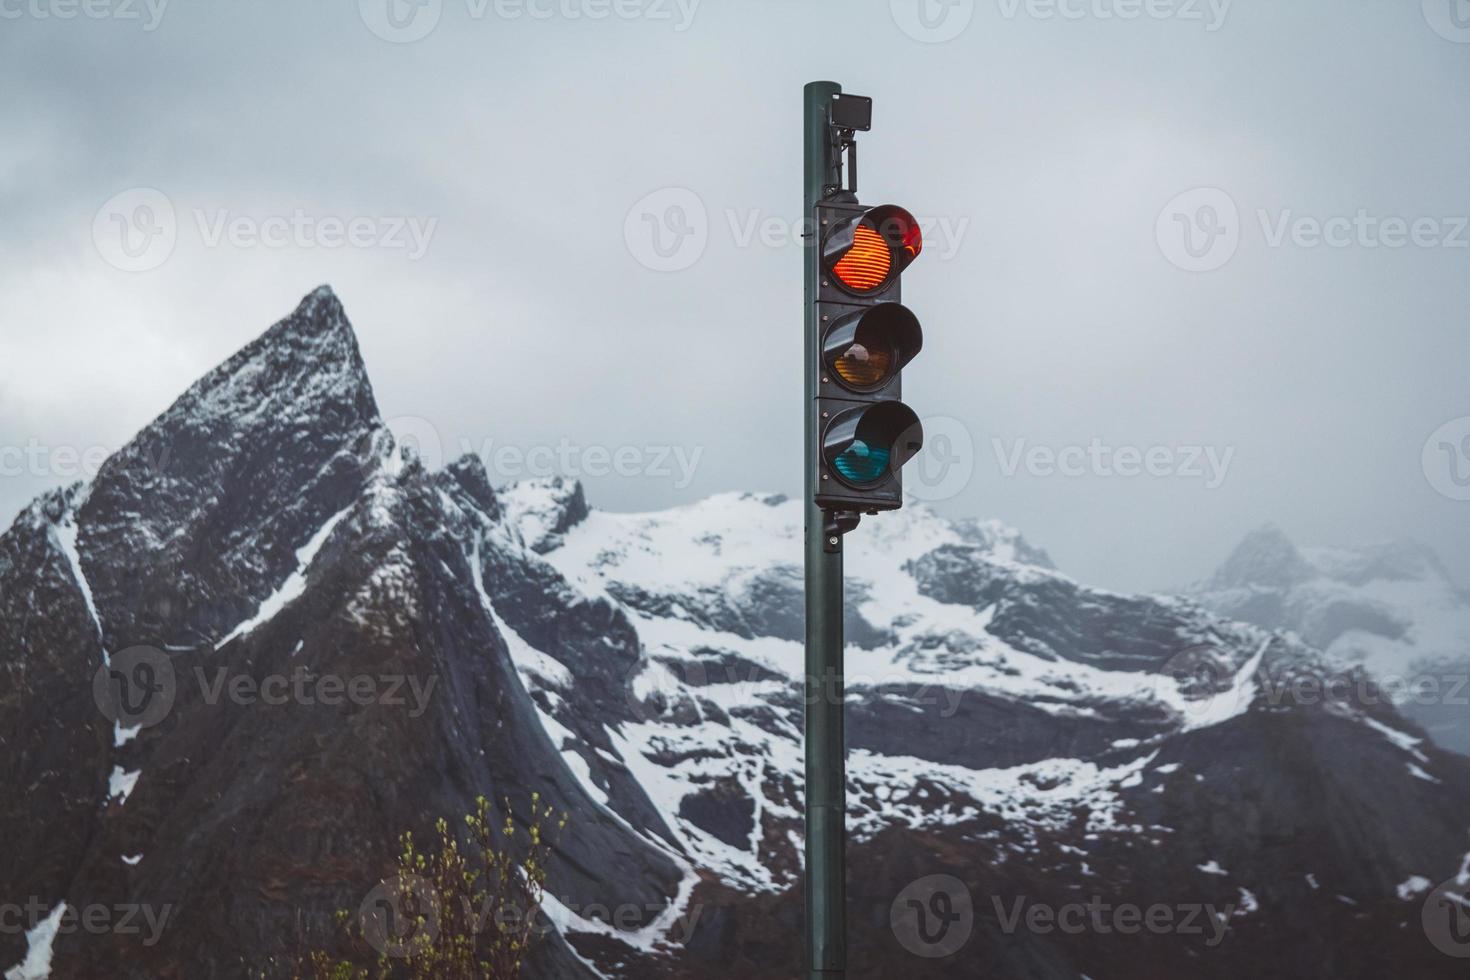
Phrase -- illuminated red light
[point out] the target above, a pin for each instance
(865, 266)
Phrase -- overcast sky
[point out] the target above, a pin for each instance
(502, 167)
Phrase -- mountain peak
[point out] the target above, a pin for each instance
(246, 465)
(321, 296)
(307, 362)
(319, 313)
(1264, 557)
(469, 474)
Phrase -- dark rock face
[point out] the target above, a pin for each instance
(205, 508)
(466, 478)
(723, 809)
(951, 726)
(1008, 727)
(54, 745)
(1053, 617)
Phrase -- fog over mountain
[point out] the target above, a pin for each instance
(1389, 609)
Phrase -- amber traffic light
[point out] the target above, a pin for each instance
(865, 349)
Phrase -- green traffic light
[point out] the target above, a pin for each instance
(861, 464)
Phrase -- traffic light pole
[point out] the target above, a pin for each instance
(826, 751)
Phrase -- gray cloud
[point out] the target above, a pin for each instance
(1057, 320)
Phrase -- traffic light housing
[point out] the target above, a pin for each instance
(863, 432)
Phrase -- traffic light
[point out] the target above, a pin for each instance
(864, 433)
(858, 339)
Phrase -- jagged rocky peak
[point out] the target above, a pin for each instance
(544, 509)
(470, 478)
(1265, 557)
(194, 521)
(303, 375)
(305, 368)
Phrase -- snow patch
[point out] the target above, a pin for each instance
(122, 736)
(120, 784)
(64, 534)
(1407, 743)
(1248, 903)
(533, 665)
(1418, 773)
(1414, 885)
(39, 941)
(295, 584)
(1226, 705)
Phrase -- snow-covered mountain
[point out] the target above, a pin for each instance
(1390, 609)
(1021, 737)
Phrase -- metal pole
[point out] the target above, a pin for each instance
(826, 750)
